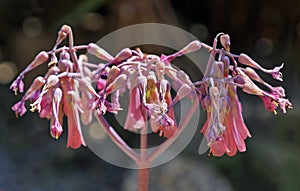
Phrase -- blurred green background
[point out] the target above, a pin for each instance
(269, 31)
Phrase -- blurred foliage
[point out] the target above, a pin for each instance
(269, 32)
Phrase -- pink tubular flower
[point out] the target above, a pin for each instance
(235, 132)
(67, 90)
(71, 110)
(135, 119)
(224, 128)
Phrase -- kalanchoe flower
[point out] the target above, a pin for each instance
(18, 84)
(191, 47)
(224, 128)
(67, 90)
(246, 60)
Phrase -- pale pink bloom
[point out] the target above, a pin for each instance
(136, 118)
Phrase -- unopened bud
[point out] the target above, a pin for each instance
(246, 60)
(64, 55)
(64, 64)
(63, 32)
(112, 74)
(122, 55)
(99, 52)
(119, 82)
(191, 47)
(225, 41)
(38, 60)
(36, 84)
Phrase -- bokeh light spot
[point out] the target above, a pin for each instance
(32, 27)
(93, 21)
(8, 72)
(264, 47)
(126, 11)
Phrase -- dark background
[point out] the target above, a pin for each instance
(269, 31)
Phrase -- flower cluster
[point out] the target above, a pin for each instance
(224, 128)
(67, 90)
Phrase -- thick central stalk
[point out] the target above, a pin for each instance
(143, 165)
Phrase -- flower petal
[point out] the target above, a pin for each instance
(135, 117)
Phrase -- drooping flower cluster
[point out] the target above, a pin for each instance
(224, 128)
(67, 90)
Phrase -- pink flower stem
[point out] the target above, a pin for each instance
(143, 174)
(117, 139)
(143, 179)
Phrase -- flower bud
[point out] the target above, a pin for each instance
(246, 60)
(64, 65)
(99, 52)
(64, 55)
(38, 60)
(191, 47)
(225, 41)
(36, 84)
(112, 74)
(122, 55)
(119, 82)
(63, 32)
